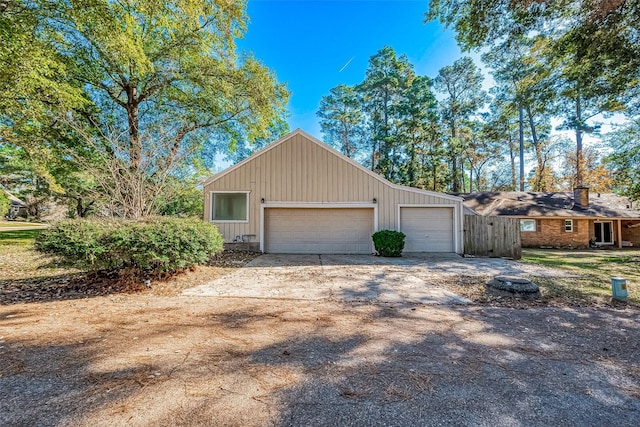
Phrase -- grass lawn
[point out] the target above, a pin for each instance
(20, 262)
(19, 224)
(18, 237)
(594, 269)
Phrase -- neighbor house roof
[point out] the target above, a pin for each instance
(14, 200)
(555, 204)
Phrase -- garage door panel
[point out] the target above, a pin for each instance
(318, 230)
(428, 229)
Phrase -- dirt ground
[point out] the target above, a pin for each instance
(154, 357)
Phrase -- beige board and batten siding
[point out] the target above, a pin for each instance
(300, 171)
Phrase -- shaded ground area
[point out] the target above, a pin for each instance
(421, 279)
(144, 360)
(358, 357)
(26, 276)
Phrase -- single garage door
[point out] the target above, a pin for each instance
(427, 229)
(318, 230)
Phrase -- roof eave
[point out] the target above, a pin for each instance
(333, 151)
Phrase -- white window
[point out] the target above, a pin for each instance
(568, 225)
(527, 225)
(230, 206)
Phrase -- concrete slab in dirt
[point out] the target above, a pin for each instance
(357, 277)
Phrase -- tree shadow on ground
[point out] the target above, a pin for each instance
(513, 368)
(301, 363)
(436, 366)
(35, 394)
(68, 370)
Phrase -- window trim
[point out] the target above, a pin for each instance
(237, 221)
(535, 225)
(569, 223)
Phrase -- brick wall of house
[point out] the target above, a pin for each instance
(631, 234)
(550, 232)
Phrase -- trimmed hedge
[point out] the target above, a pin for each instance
(388, 243)
(155, 244)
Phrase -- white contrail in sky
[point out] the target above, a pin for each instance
(347, 64)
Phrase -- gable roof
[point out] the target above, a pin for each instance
(554, 204)
(14, 200)
(332, 151)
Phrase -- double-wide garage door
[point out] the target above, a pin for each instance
(427, 229)
(318, 230)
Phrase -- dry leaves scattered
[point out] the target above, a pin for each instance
(26, 276)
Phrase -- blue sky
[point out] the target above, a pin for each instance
(307, 43)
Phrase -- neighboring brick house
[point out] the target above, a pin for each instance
(564, 219)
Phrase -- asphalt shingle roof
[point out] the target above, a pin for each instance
(556, 204)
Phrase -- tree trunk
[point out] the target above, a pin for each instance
(435, 176)
(374, 141)
(83, 210)
(579, 160)
(412, 164)
(521, 131)
(454, 159)
(539, 185)
(79, 209)
(512, 158)
(346, 149)
(373, 158)
(135, 147)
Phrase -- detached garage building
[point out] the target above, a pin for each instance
(299, 195)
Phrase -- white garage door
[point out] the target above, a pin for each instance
(427, 229)
(318, 231)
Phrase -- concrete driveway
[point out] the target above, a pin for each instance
(363, 278)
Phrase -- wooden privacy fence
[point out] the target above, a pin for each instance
(492, 236)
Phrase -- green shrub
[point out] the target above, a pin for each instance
(156, 244)
(388, 243)
(5, 204)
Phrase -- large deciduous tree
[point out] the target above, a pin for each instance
(144, 83)
(592, 47)
(36, 90)
(614, 24)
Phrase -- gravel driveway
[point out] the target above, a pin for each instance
(315, 356)
(359, 277)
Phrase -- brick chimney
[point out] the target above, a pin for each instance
(581, 196)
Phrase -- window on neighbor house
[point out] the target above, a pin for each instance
(230, 207)
(527, 225)
(568, 225)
